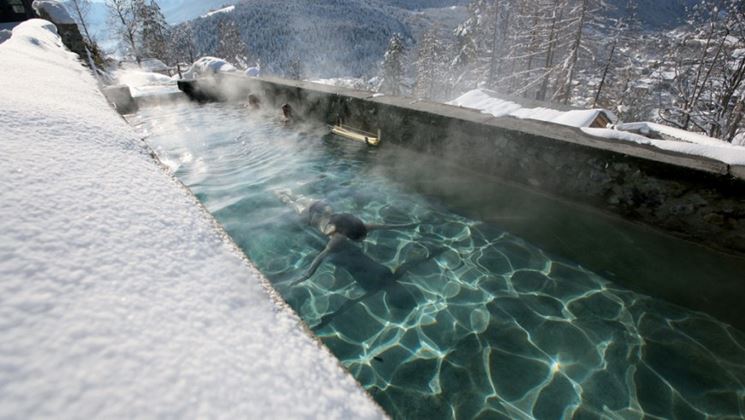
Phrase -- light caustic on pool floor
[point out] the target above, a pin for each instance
(452, 318)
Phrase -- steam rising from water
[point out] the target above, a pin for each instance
(454, 318)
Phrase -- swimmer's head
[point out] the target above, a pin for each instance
(287, 110)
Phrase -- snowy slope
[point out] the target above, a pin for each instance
(119, 295)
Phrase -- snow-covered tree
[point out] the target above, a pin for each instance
(581, 13)
(295, 69)
(468, 66)
(393, 67)
(429, 66)
(183, 48)
(620, 66)
(124, 18)
(154, 32)
(230, 44)
(80, 10)
(709, 66)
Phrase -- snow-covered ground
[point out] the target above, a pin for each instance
(119, 295)
(672, 139)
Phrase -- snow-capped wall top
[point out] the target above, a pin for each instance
(120, 297)
(486, 102)
(55, 10)
(666, 138)
(208, 65)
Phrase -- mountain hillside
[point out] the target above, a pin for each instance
(324, 37)
(349, 37)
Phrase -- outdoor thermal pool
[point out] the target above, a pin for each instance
(453, 317)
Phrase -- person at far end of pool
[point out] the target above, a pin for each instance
(254, 102)
(339, 227)
(287, 115)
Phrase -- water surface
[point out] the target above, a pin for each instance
(455, 317)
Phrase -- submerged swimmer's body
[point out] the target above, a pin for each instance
(339, 227)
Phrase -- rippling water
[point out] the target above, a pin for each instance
(452, 318)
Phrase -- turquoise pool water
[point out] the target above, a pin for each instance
(454, 317)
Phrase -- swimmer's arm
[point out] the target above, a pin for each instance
(334, 242)
(371, 227)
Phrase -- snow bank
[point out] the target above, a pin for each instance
(143, 83)
(616, 135)
(120, 298)
(214, 12)
(482, 101)
(253, 72)
(345, 82)
(739, 139)
(55, 10)
(208, 65)
(485, 102)
(670, 133)
(708, 147)
(724, 152)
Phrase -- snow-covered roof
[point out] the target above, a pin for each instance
(120, 296)
(55, 10)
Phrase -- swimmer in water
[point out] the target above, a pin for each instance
(339, 227)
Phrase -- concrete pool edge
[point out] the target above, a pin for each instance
(691, 197)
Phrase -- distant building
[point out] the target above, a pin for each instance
(13, 12)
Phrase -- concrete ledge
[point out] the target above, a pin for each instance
(692, 197)
(159, 99)
(121, 98)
